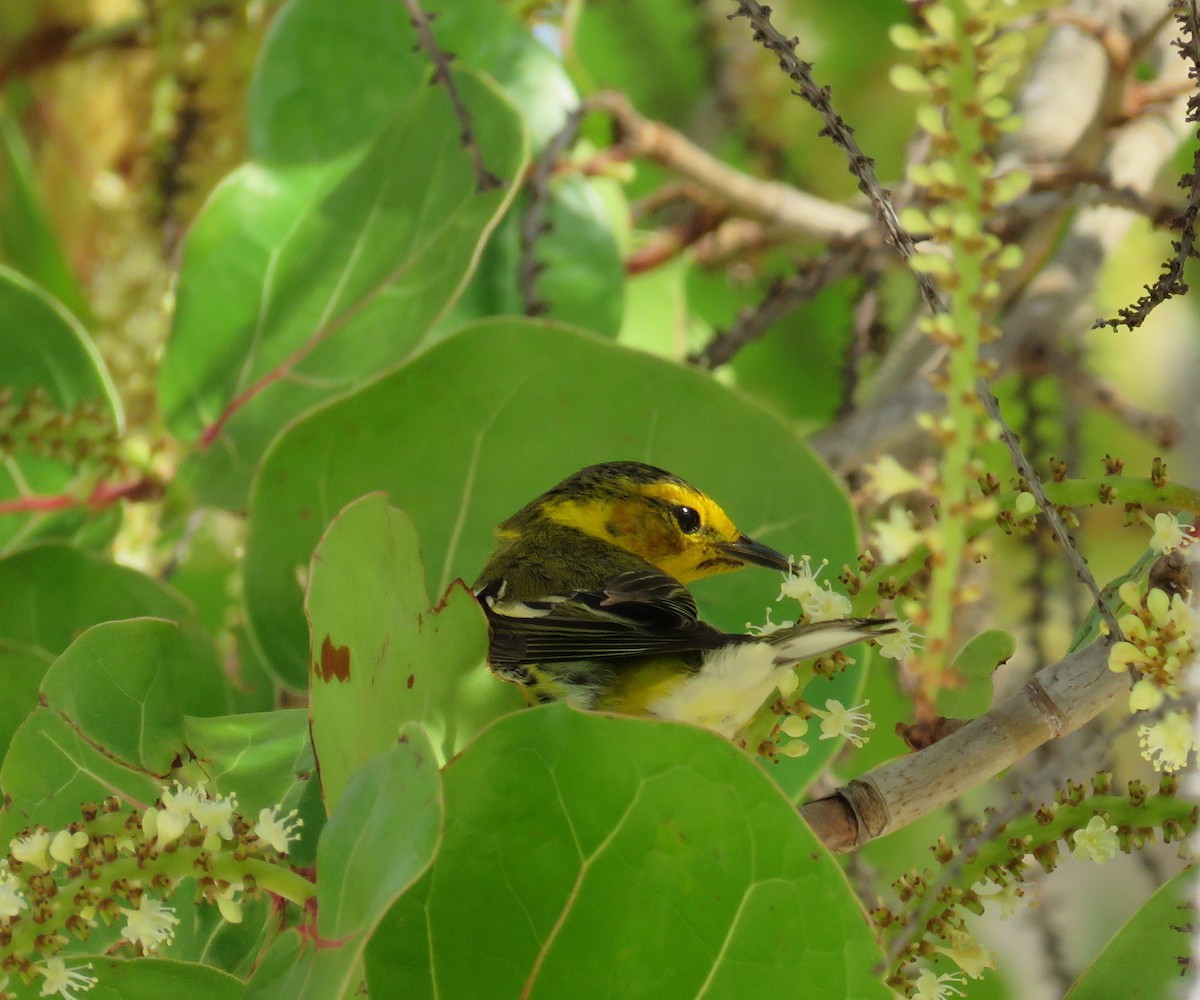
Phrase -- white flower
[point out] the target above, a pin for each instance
(968, 954)
(60, 979)
(934, 987)
(800, 582)
(839, 721)
(33, 850)
(1169, 742)
(277, 831)
(887, 478)
(768, 626)
(1096, 842)
(64, 845)
(151, 925)
(11, 900)
(1145, 696)
(1169, 534)
(898, 644)
(896, 537)
(230, 907)
(215, 815)
(827, 605)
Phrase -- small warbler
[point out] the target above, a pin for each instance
(586, 599)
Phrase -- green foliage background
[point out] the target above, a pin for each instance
(331, 381)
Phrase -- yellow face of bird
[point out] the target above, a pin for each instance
(667, 522)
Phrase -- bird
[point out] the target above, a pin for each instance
(586, 600)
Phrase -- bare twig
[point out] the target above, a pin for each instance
(784, 296)
(861, 165)
(533, 220)
(485, 180)
(1171, 281)
(777, 205)
(1056, 701)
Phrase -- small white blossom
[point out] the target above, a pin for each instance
(1096, 842)
(61, 980)
(800, 582)
(215, 815)
(64, 845)
(277, 831)
(33, 850)
(794, 726)
(229, 905)
(151, 925)
(898, 644)
(887, 478)
(827, 605)
(896, 537)
(1169, 534)
(1169, 742)
(839, 721)
(1145, 696)
(768, 626)
(11, 900)
(968, 954)
(930, 986)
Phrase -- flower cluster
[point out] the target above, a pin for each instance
(1160, 641)
(117, 867)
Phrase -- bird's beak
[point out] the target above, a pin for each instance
(747, 550)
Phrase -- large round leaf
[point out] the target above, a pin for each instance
(594, 856)
(302, 282)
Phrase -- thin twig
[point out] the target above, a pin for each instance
(812, 276)
(861, 165)
(485, 180)
(1171, 281)
(533, 220)
(105, 494)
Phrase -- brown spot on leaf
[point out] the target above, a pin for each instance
(335, 662)
(305, 514)
(411, 681)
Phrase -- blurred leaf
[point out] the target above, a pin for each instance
(581, 277)
(300, 283)
(644, 859)
(382, 656)
(1144, 958)
(975, 664)
(44, 347)
(22, 667)
(27, 238)
(378, 840)
(329, 74)
(518, 405)
(116, 684)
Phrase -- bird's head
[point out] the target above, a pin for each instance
(655, 515)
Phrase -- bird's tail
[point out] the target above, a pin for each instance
(807, 639)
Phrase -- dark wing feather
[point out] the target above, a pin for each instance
(635, 613)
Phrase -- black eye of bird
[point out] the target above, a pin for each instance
(688, 519)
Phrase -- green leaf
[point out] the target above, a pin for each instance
(46, 348)
(975, 664)
(51, 593)
(644, 859)
(1143, 959)
(22, 666)
(27, 238)
(51, 769)
(381, 656)
(329, 74)
(153, 978)
(256, 757)
(299, 283)
(378, 841)
(116, 684)
(484, 421)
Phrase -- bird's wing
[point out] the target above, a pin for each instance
(633, 613)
